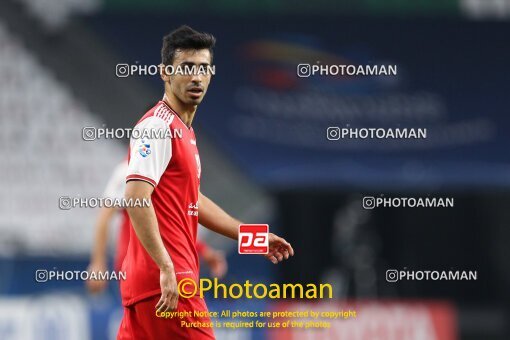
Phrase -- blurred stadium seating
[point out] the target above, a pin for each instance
(57, 13)
(50, 159)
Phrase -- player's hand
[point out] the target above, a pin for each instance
(169, 292)
(279, 249)
(216, 261)
(96, 286)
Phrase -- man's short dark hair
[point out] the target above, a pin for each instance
(185, 38)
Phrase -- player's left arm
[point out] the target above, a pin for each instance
(211, 216)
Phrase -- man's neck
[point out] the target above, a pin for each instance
(185, 112)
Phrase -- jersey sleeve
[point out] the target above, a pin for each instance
(117, 182)
(149, 156)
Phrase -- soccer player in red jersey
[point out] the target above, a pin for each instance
(162, 248)
(115, 188)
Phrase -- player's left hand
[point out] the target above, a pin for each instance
(279, 249)
(96, 286)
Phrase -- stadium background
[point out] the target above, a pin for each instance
(265, 155)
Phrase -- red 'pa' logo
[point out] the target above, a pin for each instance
(253, 239)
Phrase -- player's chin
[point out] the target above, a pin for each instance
(195, 101)
(195, 97)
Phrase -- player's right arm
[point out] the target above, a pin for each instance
(145, 225)
(148, 160)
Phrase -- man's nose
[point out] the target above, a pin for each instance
(196, 78)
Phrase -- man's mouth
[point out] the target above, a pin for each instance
(196, 91)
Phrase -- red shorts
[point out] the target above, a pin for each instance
(140, 322)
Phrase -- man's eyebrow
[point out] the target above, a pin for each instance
(191, 63)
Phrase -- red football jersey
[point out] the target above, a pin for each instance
(172, 166)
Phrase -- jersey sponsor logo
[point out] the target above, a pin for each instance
(193, 209)
(253, 239)
(144, 148)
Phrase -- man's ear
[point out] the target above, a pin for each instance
(164, 76)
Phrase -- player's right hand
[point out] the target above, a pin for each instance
(169, 292)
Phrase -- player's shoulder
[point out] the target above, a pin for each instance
(160, 114)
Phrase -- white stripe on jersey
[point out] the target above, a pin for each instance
(164, 113)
